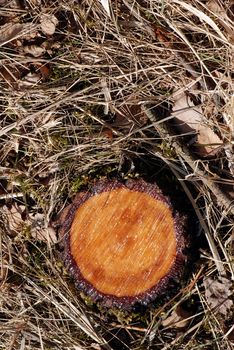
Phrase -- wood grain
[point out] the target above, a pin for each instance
(123, 241)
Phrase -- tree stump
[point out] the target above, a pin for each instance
(123, 242)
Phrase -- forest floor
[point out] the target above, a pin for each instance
(131, 89)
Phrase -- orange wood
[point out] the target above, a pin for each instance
(123, 241)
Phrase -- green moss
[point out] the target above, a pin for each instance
(78, 183)
(132, 176)
(126, 318)
(59, 141)
(87, 300)
(26, 231)
(167, 150)
(57, 73)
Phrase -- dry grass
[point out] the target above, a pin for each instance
(81, 110)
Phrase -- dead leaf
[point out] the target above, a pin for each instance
(12, 31)
(107, 133)
(48, 24)
(13, 218)
(35, 3)
(10, 75)
(230, 335)
(179, 318)
(189, 119)
(9, 32)
(202, 16)
(130, 116)
(44, 234)
(105, 4)
(30, 79)
(230, 11)
(222, 16)
(34, 50)
(40, 230)
(218, 294)
(45, 71)
(17, 221)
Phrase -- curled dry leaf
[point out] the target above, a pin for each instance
(30, 79)
(105, 4)
(34, 50)
(230, 335)
(179, 318)
(9, 32)
(10, 75)
(45, 71)
(48, 24)
(17, 223)
(35, 2)
(222, 16)
(218, 294)
(13, 218)
(130, 116)
(40, 230)
(10, 3)
(189, 119)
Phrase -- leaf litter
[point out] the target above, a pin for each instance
(219, 295)
(189, 119)
(48, 24)
(19, 222)
(49, 48)
(179, 318)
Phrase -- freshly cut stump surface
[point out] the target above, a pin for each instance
(122, 242)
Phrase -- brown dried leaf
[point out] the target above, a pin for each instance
(12, 30)
(231, 335)
(218, 294)
(222, 16)
(30, 79)
(16, 223)
(34, 50)
(48, 24)
(10, 3)
(35, 3)
(13, 219)
(189, 119)
(129, 117)
(179, 318)
(105, 4)
(45, 71)
(9, 32)
(40, 230)
(10, 75)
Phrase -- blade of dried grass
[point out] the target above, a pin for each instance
(205, 227)
(202, 16)
(79, 318)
